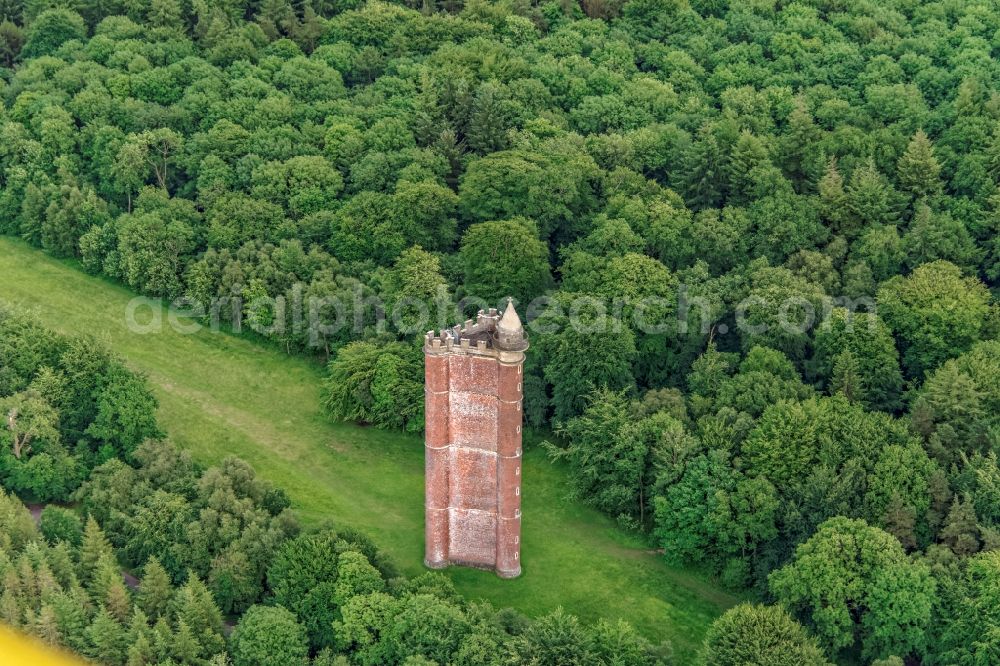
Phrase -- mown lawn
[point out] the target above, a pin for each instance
(222, 395)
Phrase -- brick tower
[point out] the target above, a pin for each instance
(473, 392)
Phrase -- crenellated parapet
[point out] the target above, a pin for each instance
(485, 335)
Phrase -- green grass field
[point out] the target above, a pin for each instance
(220, 395)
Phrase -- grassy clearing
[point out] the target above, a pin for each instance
(222, 395)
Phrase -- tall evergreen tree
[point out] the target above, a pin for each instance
(108, 639)
(918, 169)
(94, 548)
(801, 157)
(870, 198)
(702, 175)
(749, 158)
(489, 119)
(846, 378)
(961, 529)
(154, 590)
(194, 605)
(833, 201)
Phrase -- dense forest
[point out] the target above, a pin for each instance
(806, 192)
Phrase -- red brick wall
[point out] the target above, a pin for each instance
(473, 460)
(436, 460)
(509, 399)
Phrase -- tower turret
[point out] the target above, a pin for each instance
(509, 335)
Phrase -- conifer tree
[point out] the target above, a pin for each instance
(70, 610)
(846, 378)
(961, 532)
(93, 10)
(194, 605)
(703, 172)
(108, 641)
(993, 157)
(801, 158)
(428, 119)
(166, 14)
(11, 579)
(162, 639)
(46, 627)
(60, 559)
(833, 200)
(10, 609)
(870, 198)
(108, 574)
(933, 236)
(900, 520)
(856, 351)
(155, 590)
(11, 41)
(33, 205)
(918, 170)
(140, 652)
(6, 566)
(275, 17)
(186, 648)
(309, 29)
(94, 547)
(45, 581)
(29, 585)
(488, 122)
(138, 626)
(749, 156)
(117, 602)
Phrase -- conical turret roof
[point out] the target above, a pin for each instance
(510, 322)
(509, 333)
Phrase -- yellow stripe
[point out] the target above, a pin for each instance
(19, 650)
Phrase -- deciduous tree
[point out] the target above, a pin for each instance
(853, 581)
(756, 635)
(269, 636)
